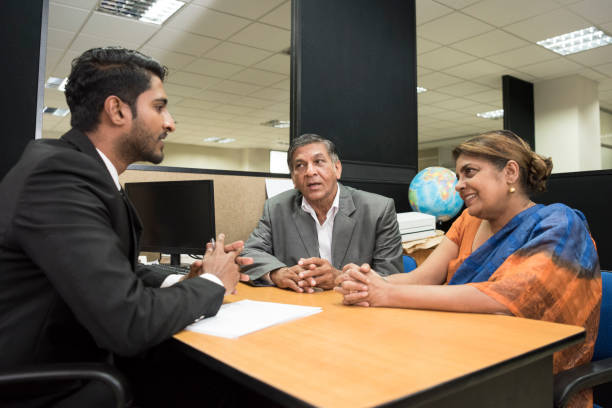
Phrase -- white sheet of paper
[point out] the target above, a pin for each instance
(277, 186)
(246, 316)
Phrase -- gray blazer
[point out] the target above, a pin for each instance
(365, 231)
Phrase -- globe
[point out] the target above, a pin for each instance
(432, 191)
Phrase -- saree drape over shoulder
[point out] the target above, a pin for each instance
(542, 265)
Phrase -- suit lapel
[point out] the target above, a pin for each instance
(343, 227)
(305, 225)
(80, 140)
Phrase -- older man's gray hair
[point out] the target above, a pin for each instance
(309, 138)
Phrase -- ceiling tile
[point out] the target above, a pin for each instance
(423, 71)
(53, 97)
(429, 110)
(180, 41)
(278, 95)
(503, 12)
(203, 21)
(596, 56)
(253, 102)
(452, 28)
(119, 28)
(427, 10)
(457, 4)
(168, 58)
(243, 8)
(494, 95)
(258, 77)
(53, 56)
(463, 89)
(523, 56)
(280, 63)
(63, 67)
(490, 43)
(231, 109)
(454, 103)
(234, 87)
(437, 80)
(215, 96)
(66, 18)
(178, 90)
(605, 85)
(592, 74)
(264, 36)
(213, 68)
(196, 103)
(475, 69)
(424, 46)
(82, 4)
(429, 97)
(548, 25)
(237, 54)
(84, 42)
(596, 11)
(552, 69)
(280, 17)
(59, 38)
(443, 58)
(188, 79)
(284, 84)
(605, 68)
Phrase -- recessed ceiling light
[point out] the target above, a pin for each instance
(420, 89)
(226, 140)
(577, 41)
(212, 139)
(56, 111)
(495, 114)
(56, 83)
(277, 123)
(149, 11)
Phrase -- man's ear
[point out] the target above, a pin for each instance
(338, 167)
(116, 110)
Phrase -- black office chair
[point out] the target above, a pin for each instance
(598, 373)
(103, 373)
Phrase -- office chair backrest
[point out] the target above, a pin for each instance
(409, 263)
(603, 346)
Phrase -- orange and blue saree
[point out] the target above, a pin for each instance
(542, 265)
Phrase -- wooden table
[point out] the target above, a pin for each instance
(363, 357)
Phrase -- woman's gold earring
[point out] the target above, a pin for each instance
(512, 190)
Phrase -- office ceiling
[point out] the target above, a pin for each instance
(229, 67)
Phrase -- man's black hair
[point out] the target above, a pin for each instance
(307, 139)
(101, 72)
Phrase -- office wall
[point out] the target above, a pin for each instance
(605, 118)
(192, 156)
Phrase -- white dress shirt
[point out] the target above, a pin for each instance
(325, 230)
(170, 279)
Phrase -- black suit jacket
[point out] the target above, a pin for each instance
(69, 286)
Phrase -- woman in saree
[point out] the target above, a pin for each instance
(504, 254)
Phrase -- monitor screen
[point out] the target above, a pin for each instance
(178, 217)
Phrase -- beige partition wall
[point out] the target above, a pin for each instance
(239, 199)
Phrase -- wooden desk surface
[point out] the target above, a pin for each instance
(354, 357)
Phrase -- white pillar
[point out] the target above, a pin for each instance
(567, 124)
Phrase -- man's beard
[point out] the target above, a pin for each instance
(139, 145)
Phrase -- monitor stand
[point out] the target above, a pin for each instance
(175, 259)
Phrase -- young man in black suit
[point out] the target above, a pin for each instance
(70, 286)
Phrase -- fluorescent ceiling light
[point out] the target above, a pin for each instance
(496, 114)
(212, 139)
(577, 41)
(281, 124)
(56, 83)
(420, 89)
(149, 11)
(226, 140)
(56, 111)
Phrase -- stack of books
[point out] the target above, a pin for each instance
(416, 225)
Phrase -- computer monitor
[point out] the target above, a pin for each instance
(178, 217)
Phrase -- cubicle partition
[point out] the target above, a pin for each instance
(239, 196)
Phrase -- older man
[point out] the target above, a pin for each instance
(306, 235)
